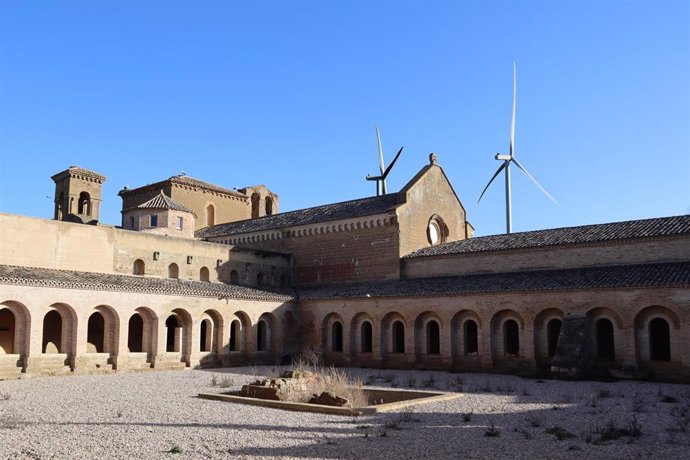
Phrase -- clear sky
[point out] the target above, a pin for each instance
(287, 93)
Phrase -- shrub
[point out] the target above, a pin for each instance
(492, 432)
(560, 432)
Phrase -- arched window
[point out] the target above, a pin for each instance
(95, 334)
(205, 336)
(269, 206)
(139, 267)
(52, 332)
(511, 337)
(7, 329)
(659, 340)
(366, 337)
(84, 204)
(210, 215)
(398, 336)
(433, 340)
(135, 335)
(173, 334)
(471, 341)
(234, 336)
(173, 271)
(436, 230)
(260, 279)
(553, 329)
(606, 349)
(234, 277)
(262, 336)
(256, 199)
(337, 336)
(203, 274)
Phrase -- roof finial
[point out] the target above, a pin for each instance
(433, 160)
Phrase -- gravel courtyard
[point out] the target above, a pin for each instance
(157, 415)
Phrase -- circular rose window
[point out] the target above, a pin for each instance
(436, 231)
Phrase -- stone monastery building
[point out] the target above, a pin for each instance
(198, 275)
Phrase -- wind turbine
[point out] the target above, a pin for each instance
(381, 179)
(510, 158)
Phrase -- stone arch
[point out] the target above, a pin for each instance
(84, 204)
(547, 327)
(604, 327)
(210, 215)
(332, 334)
(466, 327)
(361, 336)
(59, 330)
(139, 267)
(256, 202)
(102, 330)
(211, 337)
(204, 274)
(506, 331)
(269, 206)
(427, 334)
(173, 271)
(238, 337)
(15, 328)
(393, 334)
(178, 333)
(234, 277)
(266, 333)
(656, 332)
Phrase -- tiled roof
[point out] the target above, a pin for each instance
(161, 201)
(646, 228)
(186, 180)
(78, 171)
(45, 277)
(326, 213)
(609, 277)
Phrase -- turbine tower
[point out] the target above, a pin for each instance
(381, 179)
(510, 158)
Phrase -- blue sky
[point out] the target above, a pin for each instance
(287, 94)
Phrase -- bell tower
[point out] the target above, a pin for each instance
(78, 195)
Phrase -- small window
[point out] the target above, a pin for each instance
(180, 222)
(131, 222)
(154, 220)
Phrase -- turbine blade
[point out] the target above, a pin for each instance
(384, 190)
(390, 166)
(512, 122)
(498, 171)
(534, 181)
(378, 140)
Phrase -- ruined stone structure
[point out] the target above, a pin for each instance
(199, 275)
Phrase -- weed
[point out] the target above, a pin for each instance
(560, 432)
(533, 421)
(525, 434)
(525, 392)
(466, 416)
(175, 450)
(411, 382)
(407, 417)
(11, 422)
(388, 378)
(393, 424)
(668, 399)
(5, 395)
(492, 432)
(214, 380)
(430, 382)
(603, 393)
(638, 403)
(611, 432)
(119, 413)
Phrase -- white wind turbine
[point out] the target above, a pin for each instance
(510, 158)
(381, 179)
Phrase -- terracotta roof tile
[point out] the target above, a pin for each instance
(646, 228)
(161, 201)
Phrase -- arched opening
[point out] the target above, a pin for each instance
(135, 334)
(139, 267)
(173, 341)
(234, 342)
(95, 336)
(433, 340)
(256, 199)
(659, 340)
(606, 350)
(52, 333)
(7, 331)
(84, 204)
(471, 338)
(262, 336)
(284, 280)
(367, 335)
(269, 206)
(173, 271)
(511, 338)
(337, 337)
(553, 329)
(203, 274)
(398, 337)
(210, 215)
(260, 279)
(206, 335)
(234, 277)
(436, 231)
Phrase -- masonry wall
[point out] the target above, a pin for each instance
(668, 249)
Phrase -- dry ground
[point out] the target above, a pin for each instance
(157, 415)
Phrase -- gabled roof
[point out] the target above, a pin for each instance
(161, 201)
(76, 171)
(186, 181)
(668, 275)
(645, 228)
(326, 213)
(46, 277)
